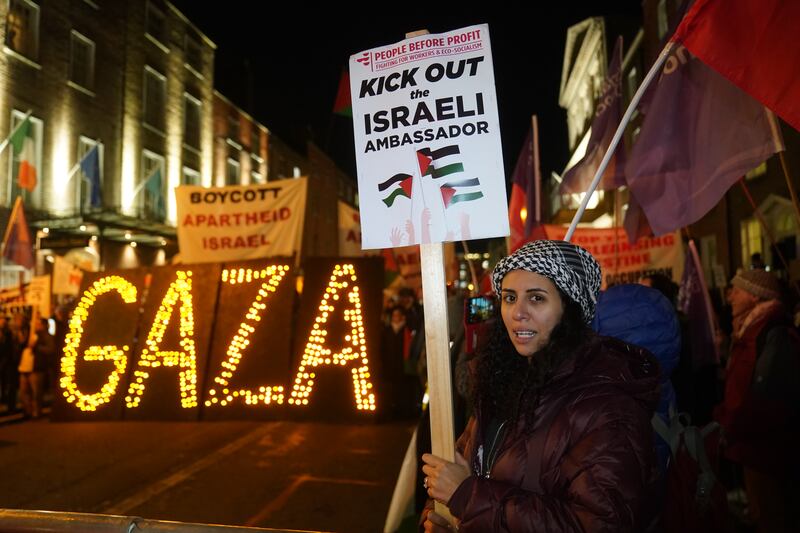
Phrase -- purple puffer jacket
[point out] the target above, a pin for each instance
(596, 470)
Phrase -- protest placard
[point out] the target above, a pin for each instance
(427, 140)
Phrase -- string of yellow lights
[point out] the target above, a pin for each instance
(185, 359)
(90, 402)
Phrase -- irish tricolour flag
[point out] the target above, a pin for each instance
(24, 150)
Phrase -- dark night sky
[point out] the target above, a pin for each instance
(292, 63)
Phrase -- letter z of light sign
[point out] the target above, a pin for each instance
(316, 354)
(153, 357)
(115, 354)
(269, 279)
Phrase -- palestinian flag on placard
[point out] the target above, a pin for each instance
(452, 193)
(400, 185)
(430, 161)
(24, 146)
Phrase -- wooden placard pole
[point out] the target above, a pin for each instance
(437, 349)
(437, 345)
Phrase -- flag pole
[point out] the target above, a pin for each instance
(537, 175)
(698, 267)
(139, 187)
(4, 144)
(626, 118)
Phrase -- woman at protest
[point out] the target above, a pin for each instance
(561, 437)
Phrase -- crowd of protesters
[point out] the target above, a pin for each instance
(747, 386)
(29, 360)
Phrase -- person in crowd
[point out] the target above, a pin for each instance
(399, 375)
(61, 317)
(643, 316)
(8, 367)
(41, 348)
(561, 437)
(411, 307)
(694, 377)
(20, 333)
(760, 411)
(662, 284)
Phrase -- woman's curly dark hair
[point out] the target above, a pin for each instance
(507, 384)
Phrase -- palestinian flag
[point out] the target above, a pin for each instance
(451, 195)
(430, 161)
(24, 146)
(401, 186)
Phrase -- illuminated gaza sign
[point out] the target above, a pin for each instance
(342, 295)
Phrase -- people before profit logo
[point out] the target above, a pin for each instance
(364, 59)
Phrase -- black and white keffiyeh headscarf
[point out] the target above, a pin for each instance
(570, 267)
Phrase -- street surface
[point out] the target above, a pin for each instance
(289, 475)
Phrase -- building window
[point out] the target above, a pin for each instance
(155, 89)
(255, 170)
(26, 156)
(751, 240)
(190, 177)
(193, 51)
(255, 139)
(233, 126)
(86, 182)
(81, 64)
(632, 80)
(662, 18)
(191, 122)
(22, 28)
(155, 23)
(232, 174)
(760, 170)
(151, 201)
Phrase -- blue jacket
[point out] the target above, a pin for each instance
(643, 316)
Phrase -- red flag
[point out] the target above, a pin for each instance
(523, 216)
(17, 243)
(343, 105)
(752, 43)
(518, 207)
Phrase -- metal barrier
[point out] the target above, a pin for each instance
(22, 521)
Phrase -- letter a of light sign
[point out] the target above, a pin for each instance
(341, 288)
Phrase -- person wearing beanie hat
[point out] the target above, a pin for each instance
(760, 410)
(561, 437)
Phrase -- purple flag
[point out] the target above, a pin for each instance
(694, 302)
(701, 134)
(606, 119)
(17, 243)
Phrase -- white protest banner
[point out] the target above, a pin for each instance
(66, 277)
(349, 231)
(240, 222)
(622, 262)
(430, 165)
(37, 295)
